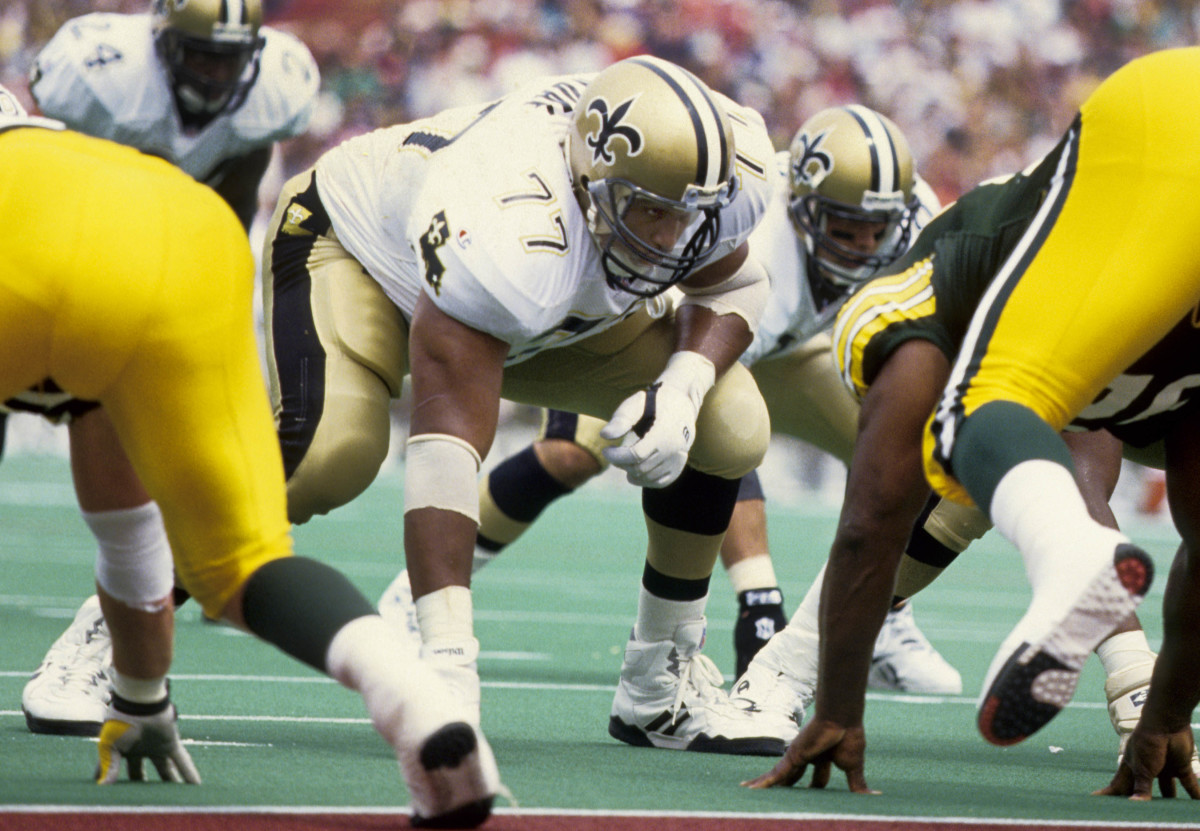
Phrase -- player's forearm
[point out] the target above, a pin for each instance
(859, 582)
(720, 338)
(1175, 687)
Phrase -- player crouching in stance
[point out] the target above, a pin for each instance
(148, 311)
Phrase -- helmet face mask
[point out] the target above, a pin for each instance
(837, 259)
(851, 180)
(628, 223)
(210, 50)
(651, 154)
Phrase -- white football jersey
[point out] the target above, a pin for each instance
(100, 75)
(474, 207)
(791, 316)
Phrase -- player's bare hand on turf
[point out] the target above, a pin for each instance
(1148, 756)
(820, 744)
(140, 735)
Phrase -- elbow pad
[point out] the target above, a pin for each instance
(743, 293)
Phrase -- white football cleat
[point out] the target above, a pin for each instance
(457, 665)
(69, 693)
(772, 697)
(670, 696)
(905, 660)
(1037, 667)
(1126, 693)
(446, 762)
(397, 607)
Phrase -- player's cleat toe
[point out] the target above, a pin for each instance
(1025, 696)
(670, 697)
(773, 698)
(459, 777)
(906, 661)
(1035, 673)
(69, 692)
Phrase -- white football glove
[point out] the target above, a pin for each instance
(658, 424)
(135, 738)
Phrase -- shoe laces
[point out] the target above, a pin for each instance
(81, 655)
(900, 629)
(699, 677)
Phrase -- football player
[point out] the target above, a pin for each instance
(523, 249)
(149, 312)
(205, 86)
(1040, 301)
(847, 200)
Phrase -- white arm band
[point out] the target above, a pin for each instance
(441, 471)
(743, 293)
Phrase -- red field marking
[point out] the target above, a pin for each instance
(139, 820)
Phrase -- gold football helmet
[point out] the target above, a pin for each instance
(10, 107)
(852, 164)
(649, 139)
(210, 50)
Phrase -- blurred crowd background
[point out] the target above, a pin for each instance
(980, 87)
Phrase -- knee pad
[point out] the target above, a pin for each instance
(133, 563)
(733, 428)
(341, 463)
(956, 526)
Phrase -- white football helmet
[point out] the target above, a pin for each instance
(852, 163)
(210, 50)
(648, 133)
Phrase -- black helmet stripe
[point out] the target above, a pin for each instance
(706, 175)
(885, 161)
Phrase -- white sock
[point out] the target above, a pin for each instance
(1038, 508)
(658, 618)
(755, 572)
(138, 690)
(796, 648)
(1124, 650)
(446, 615)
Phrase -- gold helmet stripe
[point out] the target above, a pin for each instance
(712, 150)
(885, 166)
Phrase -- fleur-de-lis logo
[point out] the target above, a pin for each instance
(813, 164)
(611, 129)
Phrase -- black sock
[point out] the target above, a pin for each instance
(760, 615)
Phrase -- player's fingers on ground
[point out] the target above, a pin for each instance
(784, 773)
(1120, 785)
(821, 770)
(858, 782)
(137, 772)
(1143, 787)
